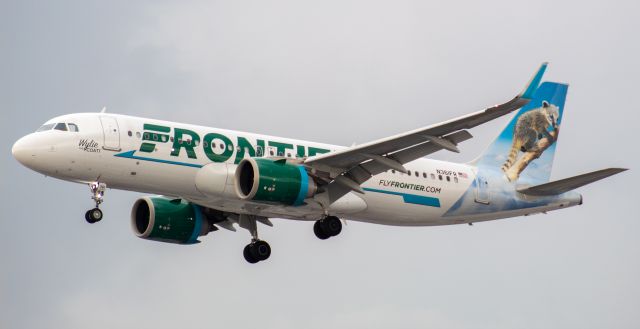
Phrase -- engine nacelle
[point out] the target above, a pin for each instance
(166, 220)
(274, 181)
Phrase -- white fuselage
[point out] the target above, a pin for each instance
(109, 148)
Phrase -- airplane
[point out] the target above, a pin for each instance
(202, 179)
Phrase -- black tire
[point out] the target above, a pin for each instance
(87, 217)
(332, 225)
(319, 231)
(260, 250)
(95, 215)
(248, 255)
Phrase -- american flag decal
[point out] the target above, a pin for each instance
(463, 175)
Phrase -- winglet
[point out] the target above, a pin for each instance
(534, 83)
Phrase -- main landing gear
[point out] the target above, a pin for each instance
(257, 250)
(327, 227)
(95, 215)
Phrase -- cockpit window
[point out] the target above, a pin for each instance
(48, 126)
(73, 127)
(61, 126)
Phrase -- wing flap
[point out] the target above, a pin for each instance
(363, 172)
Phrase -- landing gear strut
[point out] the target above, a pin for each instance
(257, 250)
(97, 189)
(327, 227)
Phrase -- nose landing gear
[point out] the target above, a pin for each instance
(95, 215)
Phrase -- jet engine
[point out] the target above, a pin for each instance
(167, 220)
(273, 181)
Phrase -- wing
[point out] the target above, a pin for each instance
(346, 169)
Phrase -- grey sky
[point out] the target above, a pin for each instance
(336, 72)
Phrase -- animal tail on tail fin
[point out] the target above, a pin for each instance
(524, 150)
(513, 155)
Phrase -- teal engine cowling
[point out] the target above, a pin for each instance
(167, 220)
(273, 181)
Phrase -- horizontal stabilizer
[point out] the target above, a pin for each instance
(568, 184)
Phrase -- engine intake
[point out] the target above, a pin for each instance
(174, 221)
(274, 181)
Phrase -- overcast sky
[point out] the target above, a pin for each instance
(336, 72)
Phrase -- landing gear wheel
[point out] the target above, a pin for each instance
(256, 251)
(332, 225)
(261, 250)
(94, 215)
(317, 229)
(328, 227)
(248, 256)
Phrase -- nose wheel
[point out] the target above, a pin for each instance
(93, 215)
(97, 190)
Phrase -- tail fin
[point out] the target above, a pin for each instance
(524, 150)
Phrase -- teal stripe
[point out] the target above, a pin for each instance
(304, 186)
(410, 198)
(130, 155)
(198, 225)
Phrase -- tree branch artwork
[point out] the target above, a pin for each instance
(544, 143)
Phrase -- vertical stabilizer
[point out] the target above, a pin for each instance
(524, 150)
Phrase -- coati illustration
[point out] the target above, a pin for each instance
(531, 127)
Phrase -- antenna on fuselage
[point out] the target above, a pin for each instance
(104, 109)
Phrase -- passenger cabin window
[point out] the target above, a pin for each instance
(60, 126)
(424, 175)
(74, 128)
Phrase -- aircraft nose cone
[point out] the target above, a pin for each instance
(22, 151)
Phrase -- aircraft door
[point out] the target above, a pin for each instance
(111, 133)
(482, 189)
